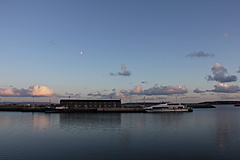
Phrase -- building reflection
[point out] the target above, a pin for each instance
(101, 125)
(89, 121)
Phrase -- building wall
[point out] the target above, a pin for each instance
(91, 104)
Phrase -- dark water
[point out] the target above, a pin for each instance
(201, 134)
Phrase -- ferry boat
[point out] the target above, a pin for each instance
(57, 109)
(168, 108)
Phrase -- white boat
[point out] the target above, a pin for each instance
(168, 108)
(57, 109)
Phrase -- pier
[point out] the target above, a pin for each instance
(125, 109)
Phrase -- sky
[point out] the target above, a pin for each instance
(133, 50)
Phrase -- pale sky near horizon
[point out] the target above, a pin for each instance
(128, 49)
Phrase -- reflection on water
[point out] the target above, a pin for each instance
(202, 134)
(75, 123)
(228, 127)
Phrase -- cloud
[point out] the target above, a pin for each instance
(51, 44)
(144, 82)
(113, 95)
(125, 72)
(238, 70)
(165, 90)
(154, 98)
(123, 91)
(112, 74)
(200, 54)
(220, 75)
(78, 95)
(8, 92)
(123, 66)
(224, 88)
(40, 91)
(33, 90)
(226, 35)
(136, 90)
(197, 91)
(95, 94)
(155, 90)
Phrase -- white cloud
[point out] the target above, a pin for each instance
(40, 91)
(136, 90)
(125, 72)
(224, 88)
(113, 95)
(220, 74)
(165, 90)
(162, 90)
(33, 90)
(8, 92)
(123, 91)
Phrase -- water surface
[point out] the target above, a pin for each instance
(201, 134)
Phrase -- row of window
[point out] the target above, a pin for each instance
(91, 105)
(94, 106)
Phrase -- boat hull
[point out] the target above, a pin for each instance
(58, 110)
(168, 110)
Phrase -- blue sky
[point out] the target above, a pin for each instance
(131, 49)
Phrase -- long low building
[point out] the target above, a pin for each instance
(90, 103)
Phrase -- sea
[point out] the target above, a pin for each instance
(204, 134)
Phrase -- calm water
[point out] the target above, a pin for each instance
(201, 134)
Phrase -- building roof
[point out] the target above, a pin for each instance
(91, 100)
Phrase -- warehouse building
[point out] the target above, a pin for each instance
(90, 103)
